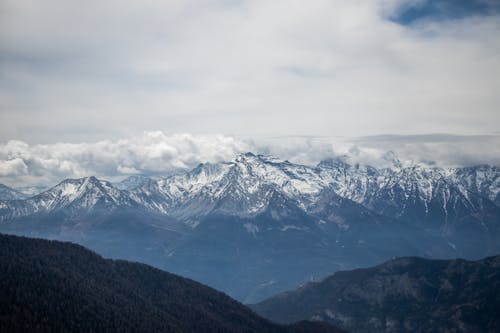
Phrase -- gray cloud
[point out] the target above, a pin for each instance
(86, 71)
(155, 153)
(433, 150)
(13, 167)
(440, 149)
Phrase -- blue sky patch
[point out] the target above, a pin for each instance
(439, 10)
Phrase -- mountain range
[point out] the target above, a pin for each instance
(258, 225)
(401, 295)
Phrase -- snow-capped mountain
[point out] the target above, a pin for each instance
(259, 217)
(431, 197)
(71, 195)
(483, 180)
(244, 187)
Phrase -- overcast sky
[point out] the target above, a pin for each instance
(86, 70)
(95, 71)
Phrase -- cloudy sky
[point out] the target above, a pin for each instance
(118, 87)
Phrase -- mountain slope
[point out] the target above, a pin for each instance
(49, 286)
(242, 187)
(406, 294)
(74, 196)
(8, 193)
(481, 179)
(430, 197)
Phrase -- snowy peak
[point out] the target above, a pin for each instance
(76, 194)
(291, 179)
(249, 185)
(254, 160)
(248, 156)
(242, 187)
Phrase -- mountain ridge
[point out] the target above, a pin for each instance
(340, 216)
(242, 187)
(404, 294)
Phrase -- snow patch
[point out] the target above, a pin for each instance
(69, 190)
(251, 228)
(292, 227)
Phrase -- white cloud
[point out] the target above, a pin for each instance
(127, 170)
(432, 150)
(13, 167)
(149, 153)
(156, 153)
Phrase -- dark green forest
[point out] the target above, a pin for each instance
(52, 286)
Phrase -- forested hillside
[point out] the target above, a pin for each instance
(50, 286)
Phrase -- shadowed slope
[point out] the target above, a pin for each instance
(406, 294)
(50, 286)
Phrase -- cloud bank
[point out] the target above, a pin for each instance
(149, 153)
(158, 154)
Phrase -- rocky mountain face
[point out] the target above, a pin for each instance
(50, 286)
(401, 295)
(270, 225)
